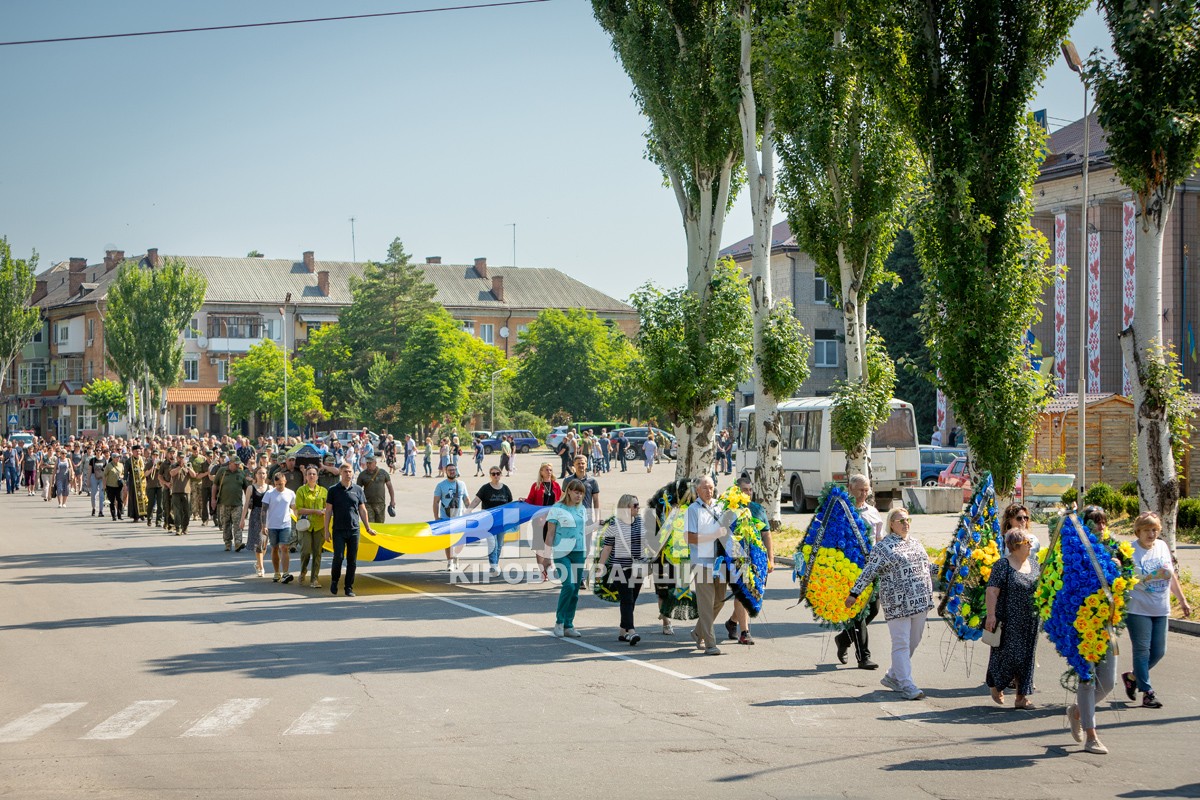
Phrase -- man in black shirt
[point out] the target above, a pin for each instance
(345, 508)
(493, 494)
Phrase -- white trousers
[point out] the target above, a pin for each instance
(906, 634)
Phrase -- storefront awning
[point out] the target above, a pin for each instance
(323, 319)
(193, 395)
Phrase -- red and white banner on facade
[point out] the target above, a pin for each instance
(1060, 302)
(1093, 313)
(941, 408)
(1129, 262)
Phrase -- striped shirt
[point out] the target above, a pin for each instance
(625, 541)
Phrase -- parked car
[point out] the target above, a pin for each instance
(957, 473)
(346, 435)
(636, 437)
(556, 436)
(523, 441)
(480, 435)
(22, 438)
(934, 460)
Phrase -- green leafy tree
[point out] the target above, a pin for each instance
(958, 76)
(694, 350)
(332, 362)
(848, 170)
(256, 386)
(19, 321)
(146, 311)
(1149, 105)
(389, 301)
(104, 396)
(484, 359)
(434, 376)
(564, 360)
(892, 314)
(683, 58)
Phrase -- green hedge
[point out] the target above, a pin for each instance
(1129, 489)
(1189, 513)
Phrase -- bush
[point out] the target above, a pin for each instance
(1189, 513)
(1101, 494)
(1132, 506)
(1129, 489)
(1068, 497)
(527, 420)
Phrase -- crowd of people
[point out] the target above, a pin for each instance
(257, 489)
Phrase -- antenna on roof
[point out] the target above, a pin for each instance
(353, 250)
(513, 225)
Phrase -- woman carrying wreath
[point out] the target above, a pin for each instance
(1010, 593)
(906, 594)
(1089, 694)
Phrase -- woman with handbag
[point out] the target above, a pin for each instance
(622, 559)
(1012, 615)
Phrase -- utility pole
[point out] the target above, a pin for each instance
(1076, 64)
(513, 225)
(283, 322)
(353, 248)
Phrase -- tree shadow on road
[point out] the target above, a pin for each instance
(1186, 790)
(974, 764)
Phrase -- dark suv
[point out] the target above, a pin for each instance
(636, 437)
(523, 441)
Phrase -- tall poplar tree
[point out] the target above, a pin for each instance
(18, 320)
(958, 75)
(683, 60)
(1148, 99)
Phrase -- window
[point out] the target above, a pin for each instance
(31, 377)
(37, 337)
(222, 370)
(189, 416)
(271, 328)
(898, 431)
(820, 291)
(825, 347)
(62, 332)
(87, 420)
(192, 331)
(90, 374)
(91, 330)
(69, 369)
(235, 327)
(522, 330)
(468, 325)
(487, 333)
(191, 369)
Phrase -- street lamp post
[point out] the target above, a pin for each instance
(283, 323)
(492, 422)
(1076, 64)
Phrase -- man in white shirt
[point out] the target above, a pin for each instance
(279, 502)
(703, 531)
(864, 499)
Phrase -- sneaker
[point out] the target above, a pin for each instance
(571, 632)
(745, 638)
(731, 628)
(303, 575)
(890, 682)
(914, 694)
(350, 593)
(288, 578)
(258, 571)
(314, 584)
(867, 663)
(1130, 685)
(1096, 747)
(228, 547)
(633, 639)
(712, 651)
(696, 638)
(1076, 725)
(240, 547)
(277, 577)
(558, 631)
(1149, 700)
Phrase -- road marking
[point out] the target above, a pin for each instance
(37, 721)
(226, 716)
(322, 718)
(130, 720)
(544, 632)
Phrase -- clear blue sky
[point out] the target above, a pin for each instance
(440, 129)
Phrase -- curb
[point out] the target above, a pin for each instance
(787, 562)
(1185, 626)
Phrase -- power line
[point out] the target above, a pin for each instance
(279, 22)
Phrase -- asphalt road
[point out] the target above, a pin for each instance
(138, 664)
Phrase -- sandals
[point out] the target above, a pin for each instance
(1130, 685)
(997, 696)
(1023, 703)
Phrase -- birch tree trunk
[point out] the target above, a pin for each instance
(703, 224)
(1158, 487)
(760, 181)
(854, 314)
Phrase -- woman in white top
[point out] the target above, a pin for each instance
(1016, 517)
(1150, 606)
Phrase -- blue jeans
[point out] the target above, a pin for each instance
(568, 567)
(497, 544)
(1149, 637)
(428, 467)
(410, 465)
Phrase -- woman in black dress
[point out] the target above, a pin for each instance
(1010, 592)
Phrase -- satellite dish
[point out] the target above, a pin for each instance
(503, 331)
(202, 342)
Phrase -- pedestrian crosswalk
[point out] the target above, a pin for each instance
(322, 717)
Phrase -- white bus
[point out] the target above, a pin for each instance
(811, 457)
